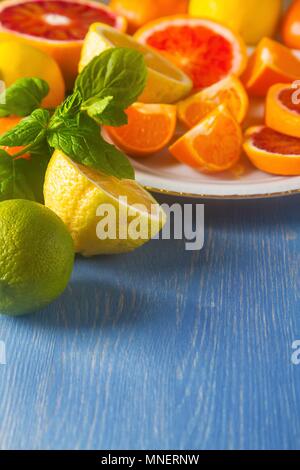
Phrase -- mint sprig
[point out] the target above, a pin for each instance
(113, 80)
(23, 97)
(81, 140)
(104, 89)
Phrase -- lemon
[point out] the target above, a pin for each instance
(253, 19)
(166, 83)
(88, 203)
(18, 60)
(36, 257)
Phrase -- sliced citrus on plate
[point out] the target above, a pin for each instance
(271, 63)
(206, 51)
(214, 145)
(166, 83)
(228, 91)
(150, 128)
(273, 152)
(18, 60)
(80, 196)
(283, 109)
(139, 12)
(57, 27)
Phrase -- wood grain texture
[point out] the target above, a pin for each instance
(165, 348)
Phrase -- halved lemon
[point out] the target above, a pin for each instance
(104, 215)
(166, 82)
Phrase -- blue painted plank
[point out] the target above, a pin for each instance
(165, 348)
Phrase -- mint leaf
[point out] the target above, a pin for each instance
(68, 109)
(119, 73)
(29, 131)
(23, 97)
(20, 178)
(106, 113)
(80, 139)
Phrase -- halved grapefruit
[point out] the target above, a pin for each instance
(57, 27)
(205, 50)
(273, 152)
(283, 109)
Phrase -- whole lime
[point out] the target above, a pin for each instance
(36, 257)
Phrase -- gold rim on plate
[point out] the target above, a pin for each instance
(166, 192)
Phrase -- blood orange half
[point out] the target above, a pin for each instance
(273, 152)
(58, 27)
(283, 109)
(203, 49)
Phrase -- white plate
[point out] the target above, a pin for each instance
(163, 174)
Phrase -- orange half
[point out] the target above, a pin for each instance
(271, 63)
(214, 145)
(150, 128)
(273, 152)
(57, 27)
(228, 91)
(205, 50)
(283, 109)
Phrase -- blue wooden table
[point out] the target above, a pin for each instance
(164, 348)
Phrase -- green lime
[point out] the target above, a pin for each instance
(36, 257)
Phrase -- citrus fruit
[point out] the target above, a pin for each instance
(19, 60)
(36, 257)
(214, 145)
(273, 152)
(253, 19)
(271, 63)
(228, 91)
(290, 26)
(206, 51)
(57, 27)
(166, 83)
(79, 194)
(283, 109)
(7, 123)
(139, 12)
(150, 128)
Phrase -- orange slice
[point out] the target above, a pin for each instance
(283, 109)
(57, 27)
(273, 152)
(271, 63)
(203, 49)
(228, 91)
(150, 128)
(214, 145)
